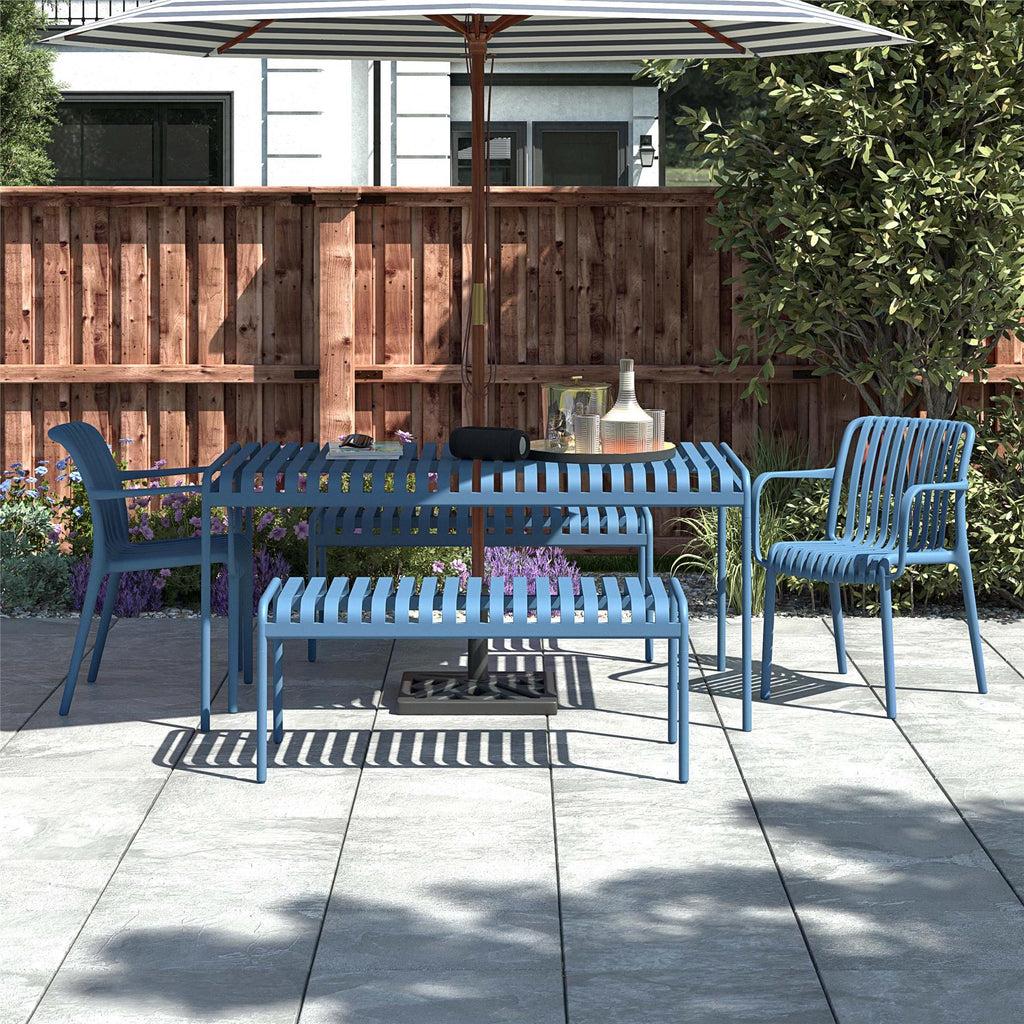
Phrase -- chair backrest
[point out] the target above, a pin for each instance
(95, 462)
(879, 458)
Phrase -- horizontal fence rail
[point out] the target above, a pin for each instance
(183, 319)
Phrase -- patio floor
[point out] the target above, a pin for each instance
(830, 866)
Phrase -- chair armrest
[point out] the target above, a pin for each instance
(906, 506)
(764, 478)
(139, 474)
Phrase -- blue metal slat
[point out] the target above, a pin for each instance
(356, 599)
(425, 603)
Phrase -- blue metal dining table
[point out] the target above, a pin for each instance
(250, 476)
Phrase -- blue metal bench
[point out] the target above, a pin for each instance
(364, 609)
(440, 526)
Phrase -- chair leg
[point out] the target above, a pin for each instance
(837, 626)
(971, 610)
(721, 567)
(888, 660)
(769, 633)
(234, 644)
(684, 702)
(92, 592)
(645, 560)
(278, 654)
(101, 634)
(245, 611)
(673, 690)
(312, 567)
(261, 702)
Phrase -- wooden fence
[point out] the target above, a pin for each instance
(184, 319)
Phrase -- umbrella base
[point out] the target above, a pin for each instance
(497, 693)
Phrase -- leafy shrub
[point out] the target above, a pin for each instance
(36, 579)
(25, 527)
(995, 501)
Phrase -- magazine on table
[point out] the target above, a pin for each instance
(387, 450)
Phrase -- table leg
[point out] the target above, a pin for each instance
(234, 612)
(204, 628)
(721, 566)
(745, 555)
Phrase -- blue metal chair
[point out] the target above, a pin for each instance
(899, 479)
(113, 552)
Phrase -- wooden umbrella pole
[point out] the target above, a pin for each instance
(477, 42)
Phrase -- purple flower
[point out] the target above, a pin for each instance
(301, 529)
(139, 591)
(531, 563)
(404, 436)
(437, 567)
(265, 520)
(277, 533)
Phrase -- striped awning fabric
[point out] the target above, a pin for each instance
(554, 30)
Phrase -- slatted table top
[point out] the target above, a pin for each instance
(698, 474)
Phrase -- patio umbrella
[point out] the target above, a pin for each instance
(513, 30)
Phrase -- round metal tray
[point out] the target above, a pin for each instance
(542, 451)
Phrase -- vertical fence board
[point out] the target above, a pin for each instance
(211, 318)
(337, 369)
(20, 326)
(52, 402)
(168, 432)
(249, 286)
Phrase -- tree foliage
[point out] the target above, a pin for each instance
(878, 202)
(28, 95)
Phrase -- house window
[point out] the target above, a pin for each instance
(142, 142)
(507, 152)
(580, 153)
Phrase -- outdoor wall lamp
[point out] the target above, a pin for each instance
(647, 154)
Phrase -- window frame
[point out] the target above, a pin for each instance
(621, 128)
(224, 100)
(516, 128)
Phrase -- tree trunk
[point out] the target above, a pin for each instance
(939, 403)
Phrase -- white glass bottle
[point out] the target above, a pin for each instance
(626, 427)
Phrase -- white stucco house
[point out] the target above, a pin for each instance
(138, 119)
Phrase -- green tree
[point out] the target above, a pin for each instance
(28, 95)
(878, 202)
(690, 87)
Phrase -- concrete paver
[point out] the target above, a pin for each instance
(829, 866)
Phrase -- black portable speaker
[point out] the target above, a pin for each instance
(489, 443)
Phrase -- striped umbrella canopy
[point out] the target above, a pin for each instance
(529, 30)
(525, 30)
